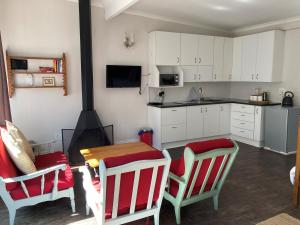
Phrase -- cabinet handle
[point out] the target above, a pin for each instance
(221, 108)
(256, 110)
(215, 76)
(243, 115)
(174, 110)
(256, 76)
(200, 59)
(201, 110)
(199, 76)
(174, 127)
(242, 123)
(195, 60)
(206, 110)
(241, 131)
(230, 76)
(252, 76)
(178, 59)
(195, 77)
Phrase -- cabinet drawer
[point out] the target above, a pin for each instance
(172, 133)
(242, 132)
(173, 116)
(242, 108)
(242, 116)
(242, 124)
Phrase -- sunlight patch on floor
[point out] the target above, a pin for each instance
(88, 221)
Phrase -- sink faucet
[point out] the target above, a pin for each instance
(200, 93)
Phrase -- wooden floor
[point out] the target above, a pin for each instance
(257, 188)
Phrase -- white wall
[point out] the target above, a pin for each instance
(50, 27)
(290, 77)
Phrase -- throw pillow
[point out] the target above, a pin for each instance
(18, 154)
(20, 138)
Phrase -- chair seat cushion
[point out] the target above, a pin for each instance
(178, 167)
(65, 178)
(126, 183)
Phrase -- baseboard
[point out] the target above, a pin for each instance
(281, 153)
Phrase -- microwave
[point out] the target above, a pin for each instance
(168, 80)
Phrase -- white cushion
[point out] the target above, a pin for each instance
(20, 138)
(18, 154)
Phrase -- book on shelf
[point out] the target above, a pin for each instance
(58, 65)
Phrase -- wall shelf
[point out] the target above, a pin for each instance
(34, 72)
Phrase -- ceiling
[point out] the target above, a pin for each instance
(221, 14)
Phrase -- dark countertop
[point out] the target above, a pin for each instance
(209, 102)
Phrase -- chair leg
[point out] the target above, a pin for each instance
(156, 218)
(177, 214)
(216, 201)
(12, 215)
(72, 199)
(87, 209)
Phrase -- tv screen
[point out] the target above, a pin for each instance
(123, 76)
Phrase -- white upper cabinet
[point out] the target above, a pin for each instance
(167, 48)
(228, 59)
(190, 73)
(218, 58)
(237, 59)
(189, 49)
(269, 56)
(249, 54)
(262, 56)
(205, 50)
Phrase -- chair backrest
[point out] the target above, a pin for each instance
(132, 184)
(207, 171)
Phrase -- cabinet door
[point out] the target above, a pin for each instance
(211, 120)
(237, 59)
(205, 73)
(190, 73)
(265, 53)
(167, 48)
(189, 49)
(227, 59)
(205, 50)
(224, 119)
(258, 124)
(218, 58)
(249, 54)
(194, 122)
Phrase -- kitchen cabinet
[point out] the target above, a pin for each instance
(228, 59)
(205, 50)
(224, 119)
(211, 120)
(249, 54)
(237, 59)
(167, 48)
(189, 49)
(195, 120)
(197, 73)
(262, 56)
(218, 58)
(258, 123)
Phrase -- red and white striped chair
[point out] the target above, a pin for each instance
(53, 180)
(200, 173)
(130, 187)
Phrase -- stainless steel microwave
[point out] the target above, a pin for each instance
(169, 80)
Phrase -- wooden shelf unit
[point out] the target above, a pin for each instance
(12, 73)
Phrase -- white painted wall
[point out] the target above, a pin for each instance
(50, 27)
(291, 73)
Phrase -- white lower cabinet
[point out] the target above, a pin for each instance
(194, 125)
(224, 119)
(247, 122)
(177, 124)
(211, 120)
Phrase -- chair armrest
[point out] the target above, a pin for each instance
(176, 178)
(34, 175)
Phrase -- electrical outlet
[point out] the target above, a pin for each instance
(281, 91)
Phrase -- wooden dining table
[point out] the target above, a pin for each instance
(92, 156)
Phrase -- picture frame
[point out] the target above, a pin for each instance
(49, 81)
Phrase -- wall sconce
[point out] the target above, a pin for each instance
(129, 40)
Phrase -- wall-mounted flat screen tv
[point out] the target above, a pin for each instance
(120, 76)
